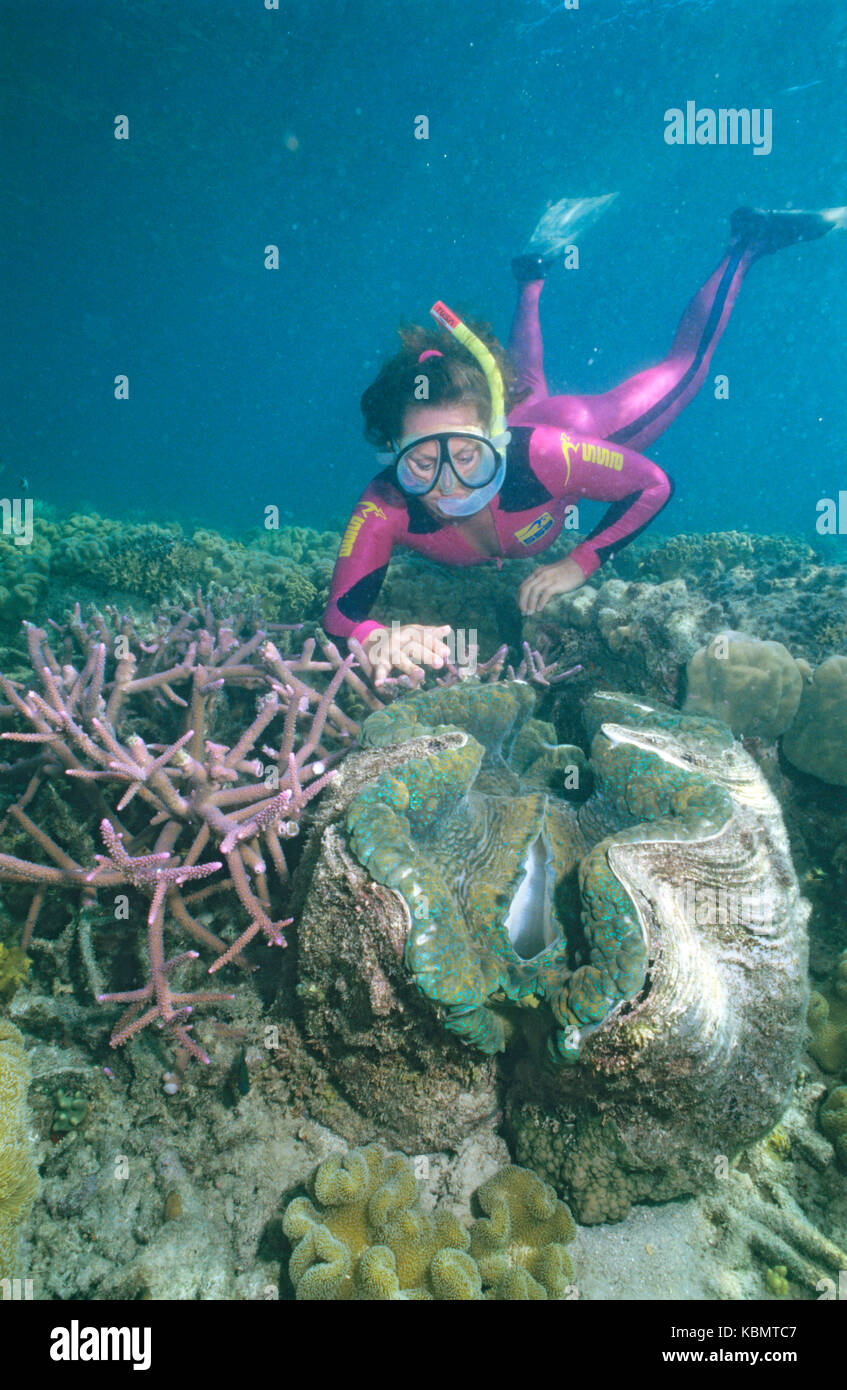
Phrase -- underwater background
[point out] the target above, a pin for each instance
(295, 127)
(162, 644)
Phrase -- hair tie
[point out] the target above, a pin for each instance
(430, 352)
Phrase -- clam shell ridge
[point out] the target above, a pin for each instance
(719, 906)
(702, 1060)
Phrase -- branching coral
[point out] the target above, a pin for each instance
(223, 804)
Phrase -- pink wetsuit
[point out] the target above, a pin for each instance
(563, 449)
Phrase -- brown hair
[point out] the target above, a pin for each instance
(454, 376)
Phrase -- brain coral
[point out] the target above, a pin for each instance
(366, 1237)
(828, 1027)
(18, 1175)
(817, 740)
(753, 686)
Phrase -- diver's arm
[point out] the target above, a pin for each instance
(360, 568)
(363, 558)
(571, 465)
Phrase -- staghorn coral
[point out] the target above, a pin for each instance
(146, 764)
(752, 686)
(366, 1237)
(817, 740)
(18, 1175)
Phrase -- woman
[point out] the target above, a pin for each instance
(467, 485)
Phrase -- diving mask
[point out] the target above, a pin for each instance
(449, 457)
(464, 458)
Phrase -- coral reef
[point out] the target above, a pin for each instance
(366, 1237)
(18, 1175)
(635, 636)
(287, 570)
(630, 634)
(752, 686)
(817, 740)
(703, 553)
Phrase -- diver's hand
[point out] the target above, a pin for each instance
(548, 580)
(406, 649)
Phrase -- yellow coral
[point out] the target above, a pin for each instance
(368, 1237)
(828, 1027)
(18, 1175)
(519, 1243)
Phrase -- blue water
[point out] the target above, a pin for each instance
(295, 127)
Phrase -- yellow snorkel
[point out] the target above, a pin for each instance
(476, 347)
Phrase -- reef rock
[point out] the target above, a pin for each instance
(642, 960)
(753, 686)
(817, 740)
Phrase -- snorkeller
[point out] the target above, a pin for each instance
(481, 464)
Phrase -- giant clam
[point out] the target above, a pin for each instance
(651, 941)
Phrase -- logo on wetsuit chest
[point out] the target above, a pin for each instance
(534, 530)
(355, 525)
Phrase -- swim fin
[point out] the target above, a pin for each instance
(773, 229)
(559, 227)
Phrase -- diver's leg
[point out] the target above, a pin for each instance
(525, 347)
(641, 408)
